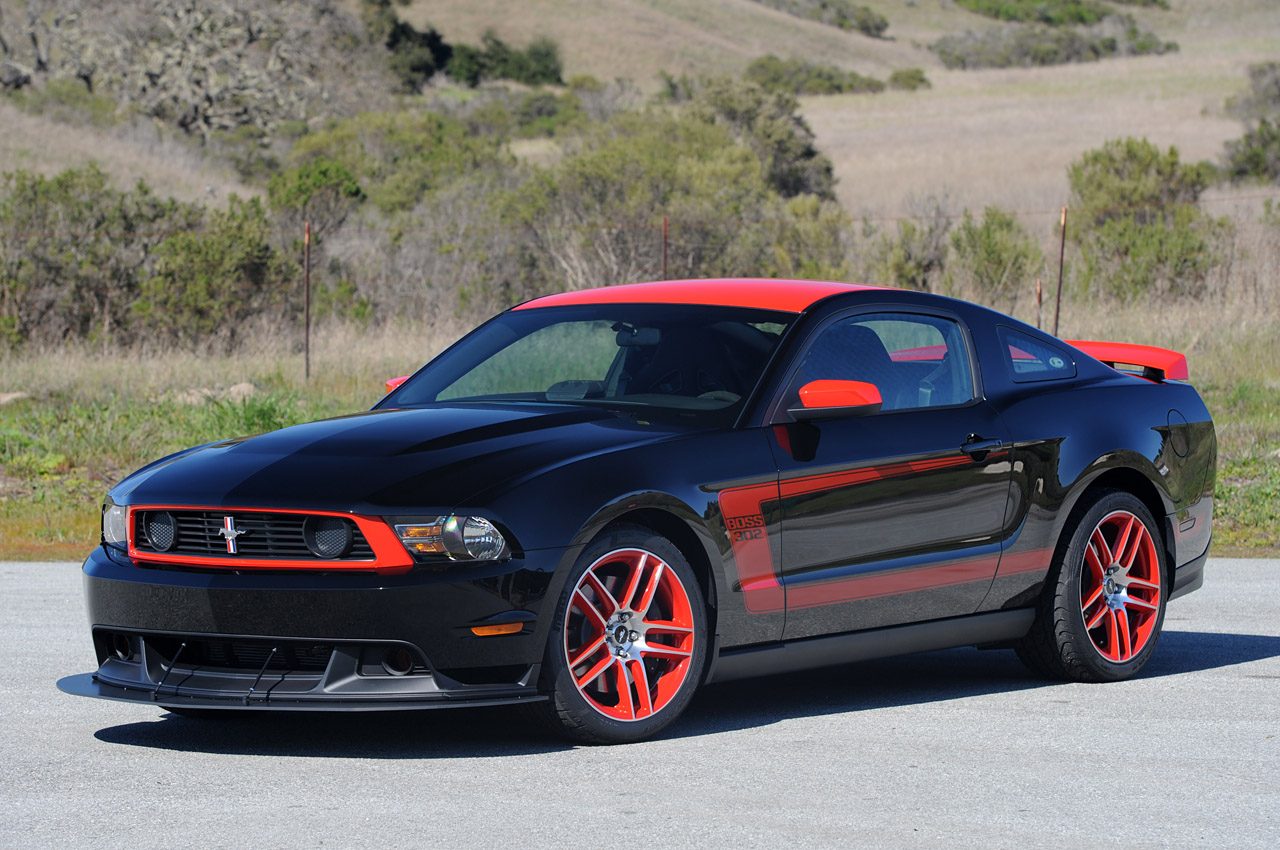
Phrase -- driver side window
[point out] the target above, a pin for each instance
(915, 361)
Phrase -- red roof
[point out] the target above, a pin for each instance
(788, 296)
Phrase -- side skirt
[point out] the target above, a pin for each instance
(788, 656)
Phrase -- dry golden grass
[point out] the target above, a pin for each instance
(128, 153)
(637, 39)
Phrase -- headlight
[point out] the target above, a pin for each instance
(459, 538)
(115, 525)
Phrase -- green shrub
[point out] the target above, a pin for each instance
(319, 190)
(909, 79)
(914, 255)
(595, 215)
(68, 100)
(414, 55)
(1262, 98)
(72, 249)
(995, 258)
(838, 13)
(397, 158)
(797, 76)
(770, 124)
(1054, 13)
(494, 59)
(1255, 155)
(1026, 45)
(207, 284)
(1135, 219)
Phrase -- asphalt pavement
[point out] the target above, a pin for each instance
(957, 748)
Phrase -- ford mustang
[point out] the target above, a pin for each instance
(600, 500)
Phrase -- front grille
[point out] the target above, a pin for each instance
(263, 536)
(242, 655)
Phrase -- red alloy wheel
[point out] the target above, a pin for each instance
(629, 635)
(1120, 587)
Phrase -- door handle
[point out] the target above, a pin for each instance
(978, 448)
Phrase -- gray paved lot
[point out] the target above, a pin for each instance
(950, 748)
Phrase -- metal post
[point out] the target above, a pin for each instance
(666, 228)
(1062, 259)
(306, 285)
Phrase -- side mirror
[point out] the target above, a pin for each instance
(392, 383)
(834, 399)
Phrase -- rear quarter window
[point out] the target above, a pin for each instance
(1028, 359)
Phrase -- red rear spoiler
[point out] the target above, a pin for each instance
(1158, 364)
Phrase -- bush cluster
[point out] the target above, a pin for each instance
(80, 259)
(1054, 13)
(1025, 45)
(494, 59)
(909, 79)
(994, 258)
(1136, 221)
(838, 13)
(800, 77)
(1256, 154)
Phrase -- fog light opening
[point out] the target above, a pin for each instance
(122, 646)
(398, 661)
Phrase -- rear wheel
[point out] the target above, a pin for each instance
(1103, 608)
(628, 644)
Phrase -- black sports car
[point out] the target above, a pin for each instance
(600, 500)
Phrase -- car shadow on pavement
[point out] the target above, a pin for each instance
(746, 704)
(932, 677)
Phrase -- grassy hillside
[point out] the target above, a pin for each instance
(639, 39)
(128, 152)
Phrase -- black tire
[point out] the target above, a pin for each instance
(1059, 644)
(567, 711)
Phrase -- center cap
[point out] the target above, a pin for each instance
(620, 634)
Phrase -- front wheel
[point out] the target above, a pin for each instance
(1103, 608)
(629, 641)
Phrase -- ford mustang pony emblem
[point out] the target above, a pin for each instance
(230, 532)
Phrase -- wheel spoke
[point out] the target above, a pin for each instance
(602, 592)
(663, 651)
(1094, 562)
(641, 677)
(1140, 541)
(1125, 645)
(1142, 584)
(1113, 636)
(634, 581)
(587, 651)
(624, 690)
(666, 626)
(1097, 618)
(1122, 540)
(585, 606)
(1103, 550)
(1135, 602)
(650, 589)
(1093, 597)
(594, 673)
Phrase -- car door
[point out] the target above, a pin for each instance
(893, 516)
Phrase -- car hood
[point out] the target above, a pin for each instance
(387, 461)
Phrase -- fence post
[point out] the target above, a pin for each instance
(666, 227)
(1062, 259)
(1039, 303)
(306, 285)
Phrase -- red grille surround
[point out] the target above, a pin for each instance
(389, 556)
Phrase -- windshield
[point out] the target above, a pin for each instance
(693, 361)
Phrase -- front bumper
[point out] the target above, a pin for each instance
(315, 641)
